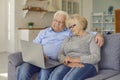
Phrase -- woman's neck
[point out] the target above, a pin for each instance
(82, 33)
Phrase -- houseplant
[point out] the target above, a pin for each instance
(30, 24)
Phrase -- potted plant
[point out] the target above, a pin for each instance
(110, 9)
(30, 24)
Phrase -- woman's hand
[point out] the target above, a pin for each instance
(69, 59)
(72, 65)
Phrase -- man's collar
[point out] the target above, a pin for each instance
(50, 29)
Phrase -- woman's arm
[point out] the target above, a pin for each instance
(94, 56)
(61, 53)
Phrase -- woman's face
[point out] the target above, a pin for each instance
(75, 27)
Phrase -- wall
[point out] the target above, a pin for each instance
(87, 10)
(3, 25)
(12, 40)
(102, 5)
(40, 19)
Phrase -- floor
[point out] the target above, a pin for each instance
(3, 65)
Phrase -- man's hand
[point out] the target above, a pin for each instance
(99, 39)
(46, 57)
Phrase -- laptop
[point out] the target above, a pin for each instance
(33, 54)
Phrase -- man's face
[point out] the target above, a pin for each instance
(58, 23)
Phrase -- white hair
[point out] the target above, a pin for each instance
(62, 13)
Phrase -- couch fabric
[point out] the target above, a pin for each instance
(109, 66)
(116, 77)
(110, 53)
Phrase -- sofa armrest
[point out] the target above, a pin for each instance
(15, 59)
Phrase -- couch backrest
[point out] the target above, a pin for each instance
(110, 52)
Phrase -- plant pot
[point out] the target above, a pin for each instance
(30, 24)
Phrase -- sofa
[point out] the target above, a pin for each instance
(108, 67)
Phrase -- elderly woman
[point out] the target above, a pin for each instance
(79, 53)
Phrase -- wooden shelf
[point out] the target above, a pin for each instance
(30, 8)
(32, 28)
(37, 9)
(101, 21)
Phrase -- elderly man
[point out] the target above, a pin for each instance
(51, 40)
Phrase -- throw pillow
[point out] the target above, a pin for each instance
(110, 52)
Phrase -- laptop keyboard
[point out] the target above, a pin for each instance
(52, 62)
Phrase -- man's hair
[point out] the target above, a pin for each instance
(61, 12)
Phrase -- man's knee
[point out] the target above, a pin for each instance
(24, 69)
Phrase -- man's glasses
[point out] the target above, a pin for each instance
(72, 26)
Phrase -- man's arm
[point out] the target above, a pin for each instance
(99, 38)
(40, 36)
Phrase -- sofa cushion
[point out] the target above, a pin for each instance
(116, 77)
(110, 52)
(103, 75)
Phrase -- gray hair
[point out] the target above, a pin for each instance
(61, 12)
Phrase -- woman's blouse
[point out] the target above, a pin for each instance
(83, 47)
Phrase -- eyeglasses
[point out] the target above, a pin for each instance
(72, 26)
